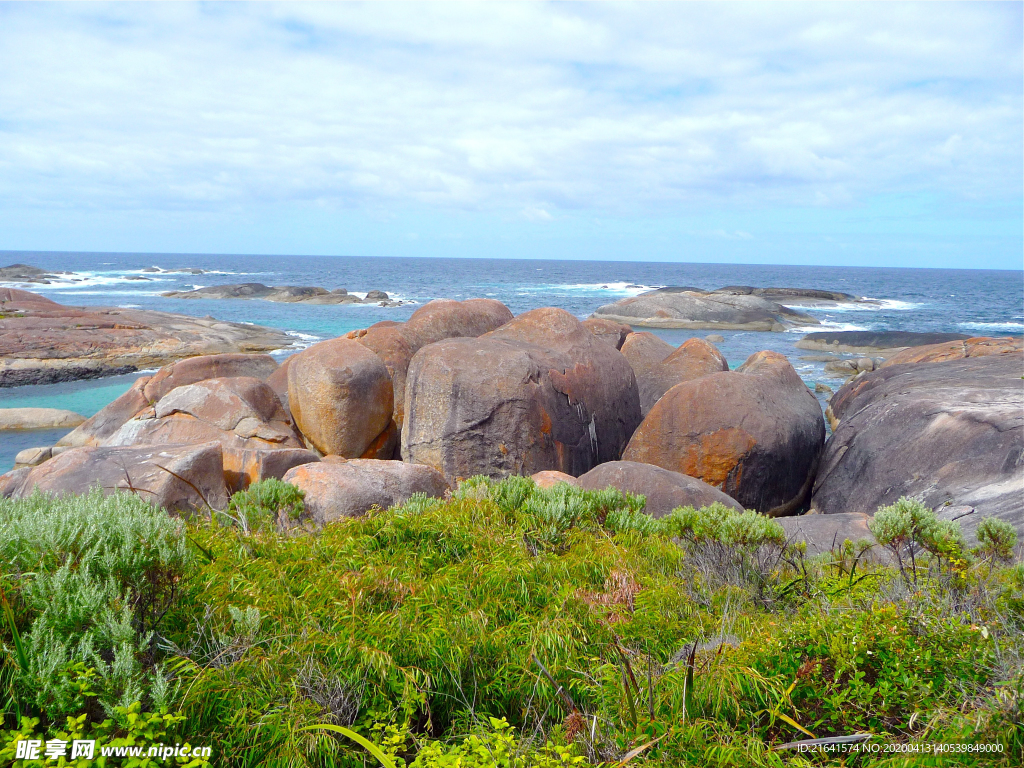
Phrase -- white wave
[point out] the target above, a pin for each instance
(826, 325)
(302, 340)
(130, 306)
(1008, 326)
(877, 305)
(616, 288)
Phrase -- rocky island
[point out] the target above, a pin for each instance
(42, 342)
(291, 294)
(736, 308)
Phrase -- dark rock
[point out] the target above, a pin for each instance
(947, 433)
(872, 341)
(713, 311)
(824, 533)
(377, 296)
(756, 433)
(665, 490)
(801, 296)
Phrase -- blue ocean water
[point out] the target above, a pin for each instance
(977, 302)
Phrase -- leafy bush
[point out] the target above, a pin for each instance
(267, 502)
(997, 539)
(910, 530)
(87, 581)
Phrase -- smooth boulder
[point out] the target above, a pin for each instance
(38, 418)
(608, 331)
(541, 392)
(204, 367)
(100, 426)
(700, 310)
(643, 350)
(336, 488)
(549, 478)
(756, 433)
(950, 434)
(181, 478)
(341, 396)
(981, 346)
(694, 358)
(665, 490)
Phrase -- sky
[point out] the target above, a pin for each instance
(875, 134)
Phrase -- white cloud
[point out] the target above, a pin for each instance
(506, 107)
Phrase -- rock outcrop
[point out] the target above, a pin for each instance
(879, 343)
(341, 396)
(608, 331)
(796, 296)
(668, 308)
(949, 433)
(824, 533)
(243, 414)
(336, 488)
(550, 477)
(541, 392)
(644, 350)
(42, 342)
(183, 478)
(38, 418)
(958, 350)
(665, 490)
(756, 433)
(694, 358)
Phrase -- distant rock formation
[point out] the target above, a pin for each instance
(290, 294)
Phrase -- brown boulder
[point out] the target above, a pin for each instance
(203, 367)
(665, 490)
(242, 414)
(693, 359)
(608, 331)
(262, 464)
(341, 396)
(981, 346)
(278, 381)
(338, 488)
(396, 343)
(539, 393)
(175, 477)
(549, 477)
(644, 350)
(756, 433)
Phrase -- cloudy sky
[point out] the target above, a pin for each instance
(830, 133)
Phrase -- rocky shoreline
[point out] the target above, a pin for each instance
(43, 342)
(465, 388)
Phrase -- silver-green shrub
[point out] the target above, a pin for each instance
(94, 575)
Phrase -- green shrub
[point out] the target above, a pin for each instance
(911, 531)
(266, 503)
(996, 539)
(87, 581)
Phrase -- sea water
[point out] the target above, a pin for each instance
(976, 302)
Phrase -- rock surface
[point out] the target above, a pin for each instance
(336, 488)
(644, 350)
(800, 296)
(694, 358)
(541, 392)
(823, 533)
(42, 342)
(608, 330)
(712, 311)
(38, 418)
(958, 350)
(872, 342)
(176, 477)
(242, 414)
(756, 433)
(195, 369)
(947, 433)
(549, 478)
(291, 294)
(665, 490)
(341, 396)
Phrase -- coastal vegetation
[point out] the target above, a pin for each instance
(506, 625)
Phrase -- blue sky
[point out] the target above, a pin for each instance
(830, 133)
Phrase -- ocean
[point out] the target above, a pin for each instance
(977, 302)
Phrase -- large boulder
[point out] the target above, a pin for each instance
(981, 346)
(608, 331)
(175, 477)
(693, 359)
(644, 350)
(101, 425)
(541, 392)
(549, 478)
(694, 309)
(825, 533)
(203, 367)
(396, 343)
(883, 343)
(756, 433)
(337, 488)
(341, 396)
(242, 414)
(950, 434)
(665, 490)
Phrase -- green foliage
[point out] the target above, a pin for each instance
(997, 539)
(267, 502)
(87, 582)
(910, 530)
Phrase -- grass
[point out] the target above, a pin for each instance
(514, 626)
